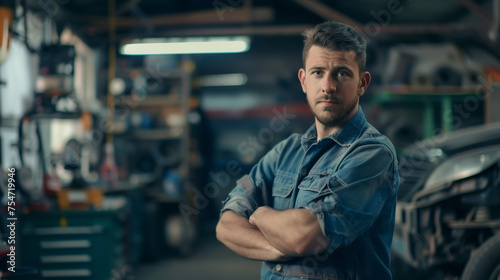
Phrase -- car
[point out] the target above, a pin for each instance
(448, 208)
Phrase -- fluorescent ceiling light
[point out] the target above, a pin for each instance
(187, 46)
(236, 79)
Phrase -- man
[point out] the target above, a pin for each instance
(321, 205)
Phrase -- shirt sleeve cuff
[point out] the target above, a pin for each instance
(239, 205)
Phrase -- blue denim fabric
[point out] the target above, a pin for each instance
(349, 179)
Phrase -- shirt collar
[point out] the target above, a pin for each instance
(345, 136)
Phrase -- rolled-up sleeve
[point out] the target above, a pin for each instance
(354, 195)
(243, 199)
(255, 189)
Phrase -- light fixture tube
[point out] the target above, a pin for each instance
(187, 46)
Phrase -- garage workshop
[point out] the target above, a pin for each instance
(249, 139)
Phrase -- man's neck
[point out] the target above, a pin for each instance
(324, 131)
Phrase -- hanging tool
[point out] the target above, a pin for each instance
(109, 170)
(51, 182)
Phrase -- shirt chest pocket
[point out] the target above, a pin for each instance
(282, 190)
(312, 187)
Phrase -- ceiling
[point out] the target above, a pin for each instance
(158, 18)
(274, 27)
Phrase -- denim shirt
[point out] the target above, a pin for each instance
(349, 180)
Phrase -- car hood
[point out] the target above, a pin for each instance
(460, 140)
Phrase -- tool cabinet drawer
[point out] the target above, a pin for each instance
(72, 244)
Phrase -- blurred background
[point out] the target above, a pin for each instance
(125, 124)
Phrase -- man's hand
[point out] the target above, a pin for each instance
(296, 232)
(259, 214)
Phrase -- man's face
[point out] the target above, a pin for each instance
(333, 85)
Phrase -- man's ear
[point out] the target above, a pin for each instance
(302, 79)
(364, 82)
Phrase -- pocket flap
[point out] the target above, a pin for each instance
(315, 182)
(283, 184)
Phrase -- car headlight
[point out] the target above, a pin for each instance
(463, 166)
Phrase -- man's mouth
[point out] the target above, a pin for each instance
(329, 101)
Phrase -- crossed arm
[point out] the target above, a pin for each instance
(272, 235)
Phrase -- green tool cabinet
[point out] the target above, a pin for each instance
(73, 244)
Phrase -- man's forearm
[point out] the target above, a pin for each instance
(245, 239)
(294, 231)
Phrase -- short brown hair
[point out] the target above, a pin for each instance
(336, 36)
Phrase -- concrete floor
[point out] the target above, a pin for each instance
(209, 261)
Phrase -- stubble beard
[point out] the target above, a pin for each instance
(334, 118)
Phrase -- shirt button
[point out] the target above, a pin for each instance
(279, 268)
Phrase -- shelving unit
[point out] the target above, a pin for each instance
(428, 97)
(159, 107)
(157, 134)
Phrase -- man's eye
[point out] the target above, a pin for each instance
(342, 74)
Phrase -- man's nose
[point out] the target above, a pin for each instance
(328, 84)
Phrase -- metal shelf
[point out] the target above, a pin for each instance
(156, 134)
(153, 134)
(161, 197)
(430, 90)
(150, 101)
